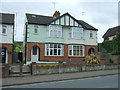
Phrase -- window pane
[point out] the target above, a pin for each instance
(51, 52)
(59, 45)
(55, 45)
(51, 45)
(74, 47)
(47, 51)
(34, 50)
(35, 30)
(78, 52)
(47, 45)
(59, 52)
(3, 30)
(70, 47)
(70, 52)
(81, 53)
(55, 51)
(91, 35)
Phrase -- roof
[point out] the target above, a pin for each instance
(112, 31)
(38, 19)
(86, 25)
(6, 18)
(44, 20)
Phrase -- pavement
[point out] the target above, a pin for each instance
(10, 81)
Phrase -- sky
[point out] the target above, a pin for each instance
(101, 14)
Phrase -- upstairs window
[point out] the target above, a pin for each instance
(4, 29)
(55, 31)
(91, 34)
(35, 29)
(76, 33)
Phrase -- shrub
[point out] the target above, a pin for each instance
(92, 59)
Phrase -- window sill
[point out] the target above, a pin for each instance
(74, 39)
(92, 38)
(36, 34)
(57, 37)
(77, 56)
(4, 34)
(54, 56)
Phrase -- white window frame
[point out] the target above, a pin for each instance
(55, 31)
(48, 49)
(5, 28)
(35, 28)
(76, 33)
(72, 48)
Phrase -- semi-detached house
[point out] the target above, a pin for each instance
(58, 38)
(6, 37)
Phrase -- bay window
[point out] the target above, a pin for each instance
(54, 49)
(76, 50)
(76, 33)
(54, 31)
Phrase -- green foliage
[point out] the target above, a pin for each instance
(92, 59)
(108, 45)
(17, 47)
(116, 44)
(112, 46)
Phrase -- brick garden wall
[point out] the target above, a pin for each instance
(38, 70)
(35, 69)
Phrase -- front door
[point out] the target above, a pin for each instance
(3, 55)
(91, 51)
(34, 54)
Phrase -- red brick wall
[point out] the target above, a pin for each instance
(87, 47)
(55, 58)
(9, 48)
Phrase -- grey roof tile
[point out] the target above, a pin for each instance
(6, 18)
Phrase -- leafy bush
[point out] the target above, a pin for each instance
(92, 59)
(112, 46)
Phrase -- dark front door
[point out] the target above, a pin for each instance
(3, 55)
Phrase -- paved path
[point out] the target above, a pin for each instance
(54, 77)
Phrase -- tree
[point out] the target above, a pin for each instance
(112, 46)
(17, 47)
(116, 44)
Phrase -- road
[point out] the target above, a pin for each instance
(110, 81)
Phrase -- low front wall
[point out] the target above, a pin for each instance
(35, 69)
(38, 70)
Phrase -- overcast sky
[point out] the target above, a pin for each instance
(102, 15)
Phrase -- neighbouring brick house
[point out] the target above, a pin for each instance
(58, 38)
(7, 37)
(111, 33)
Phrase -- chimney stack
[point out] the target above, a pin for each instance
(56, 14)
